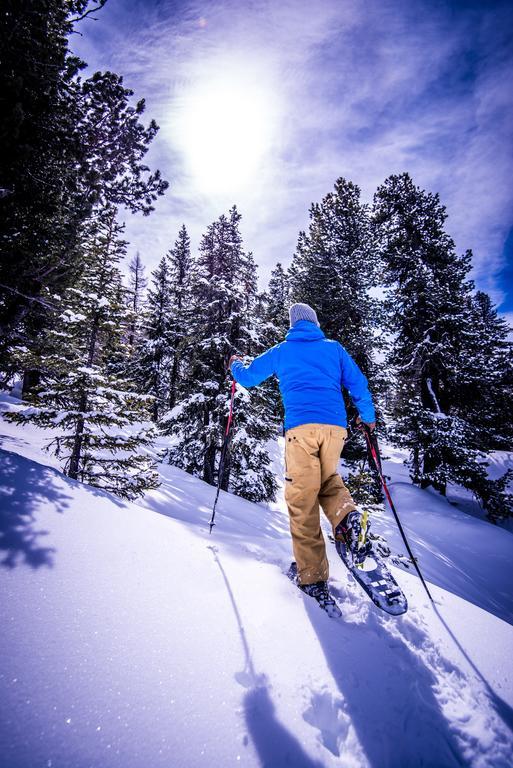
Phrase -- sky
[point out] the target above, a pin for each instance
(264, 104)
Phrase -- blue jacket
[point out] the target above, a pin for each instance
(311, 371)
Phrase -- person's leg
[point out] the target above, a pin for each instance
(334, 497)
(302, 485)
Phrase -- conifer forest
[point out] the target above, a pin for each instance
(256, 384)
(98, 347)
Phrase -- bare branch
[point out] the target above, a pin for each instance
(29, 298)
(87, 13)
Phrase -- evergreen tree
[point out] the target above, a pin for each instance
(430, 309)
(137, 284)
(223, 291)
(272, 314)
(69, 145)
(485, 374)
(180, 311)
(333, 269)
(150, 367)
(258, 413)
(98, 419)
(40, 210)
(278, 303)
(157, 362)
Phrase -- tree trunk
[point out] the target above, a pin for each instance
(429, 466)
(76, 454)
(155, 390)
(31, 379)
(209, 456)
(172, 385)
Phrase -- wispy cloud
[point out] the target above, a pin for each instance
(360, 89)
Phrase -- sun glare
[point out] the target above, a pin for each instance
(225, 129)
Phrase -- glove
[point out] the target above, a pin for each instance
(370, 424)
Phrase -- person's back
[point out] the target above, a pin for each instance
(311, 371)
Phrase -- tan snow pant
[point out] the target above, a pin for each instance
(312, 455)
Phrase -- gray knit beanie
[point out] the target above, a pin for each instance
(302, 312)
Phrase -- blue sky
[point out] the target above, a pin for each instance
(297, 93)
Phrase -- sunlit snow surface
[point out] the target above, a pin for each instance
(132, 638)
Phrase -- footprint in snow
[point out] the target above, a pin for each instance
(326, 713)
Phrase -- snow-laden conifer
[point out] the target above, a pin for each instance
(135, 296)
(99, 420)
(278, 302)
(436, 356)
(333, 269)
(272, 313)
(70, 145)
(150, 361)
(157, 360)
(220, 322)
(180, 313)
(485, 374)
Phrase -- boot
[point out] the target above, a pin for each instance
(319, 591)
(350, 532)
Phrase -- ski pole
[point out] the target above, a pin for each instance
(373, 448)
(224, 451)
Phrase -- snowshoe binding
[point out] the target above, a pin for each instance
(369, 570)
(352, 531)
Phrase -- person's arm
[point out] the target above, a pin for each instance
(257, 371)
(356, 384)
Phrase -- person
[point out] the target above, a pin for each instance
(311, 372)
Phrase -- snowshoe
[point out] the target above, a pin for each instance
(376, 580)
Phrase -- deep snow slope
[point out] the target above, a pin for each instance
(132, 638)
(460, 552)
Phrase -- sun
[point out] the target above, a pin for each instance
(225, 126)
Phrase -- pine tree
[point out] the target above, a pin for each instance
(40, 154)
(272, 314)
(333, 269)
(150, 365)
(485, 374)
(430, 309)
(157, 361)
(258, 418)
(180, 311)
(99, 421)
(137, 284)
(278, 302)
(222, 289)
(70, 146)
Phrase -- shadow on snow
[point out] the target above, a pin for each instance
(25, 485)
(274, 744)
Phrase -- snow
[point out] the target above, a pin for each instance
(132, 638)
(499, 463)
(72, 317)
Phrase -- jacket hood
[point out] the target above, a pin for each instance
(304, 330)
